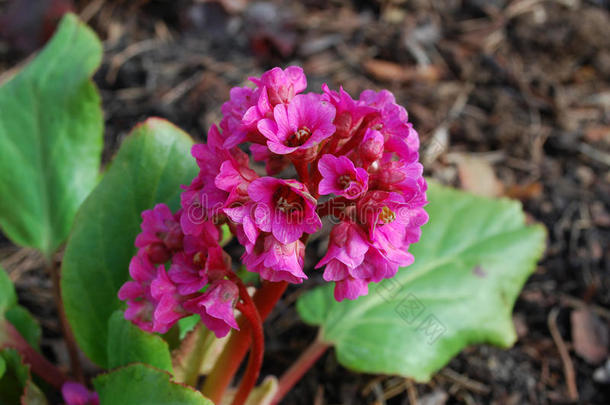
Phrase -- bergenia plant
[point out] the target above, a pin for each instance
(409, 275)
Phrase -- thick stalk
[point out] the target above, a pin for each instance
(236, 348)
(11, 338)
(75, 366)
(299, 368)
(255, 360)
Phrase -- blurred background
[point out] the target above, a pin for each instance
(510, 98)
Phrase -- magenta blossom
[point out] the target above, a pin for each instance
(169, 302)
(341, 177)
(276, 261)
(283, 207)
(232, 123)
(303, 123)
(393, 123)
(161, 233)
(140, 303)
(282, 85)
(363, 151)
(77, 394)
(215, 307)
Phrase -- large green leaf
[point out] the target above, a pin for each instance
(143, 385)
(50, 138)
(470, 264)
(129, 344)
(150, 167)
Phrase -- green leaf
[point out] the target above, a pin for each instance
(150, 167)
(143, 385)
(8, 298)
(26, 324)
(129, 344)
(16, 386)
(50, 138)
(474, 256)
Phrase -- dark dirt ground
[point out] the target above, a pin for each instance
(510, 98)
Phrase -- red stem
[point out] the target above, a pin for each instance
(255, 360)
(40, 366)
(299, 368)
(301, 167)
(236, 348)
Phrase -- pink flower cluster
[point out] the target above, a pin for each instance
(356, 161)
(174, 275)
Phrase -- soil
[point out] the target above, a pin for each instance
(521, 87)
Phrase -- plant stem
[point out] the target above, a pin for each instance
(299, 368)
(255, 360)
(40, 366)
(236, 348)
(75, 366)
(202, 339)
(301, 167)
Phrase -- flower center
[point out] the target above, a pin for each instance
(287, 201)
(387, 215)
(299, 137)
(345, 180)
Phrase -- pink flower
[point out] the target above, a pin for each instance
(350, 288)
(393, 123)
(77, 394)
(282, 85)
(390, 222)
(341, 177)
(300, 125)
(350, 113)
(232, 125)
(169, 302)
(187, 273)
(202, 200)
(347, 248)
(215, 307)
(161, 233)
(276, 261)
(283, 207)
(371, 148)
(140, 303)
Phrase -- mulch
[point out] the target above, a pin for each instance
(511, 95)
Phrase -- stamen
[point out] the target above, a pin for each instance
(299, 137)
(387, 215)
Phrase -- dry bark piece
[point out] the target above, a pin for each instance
(589, 335)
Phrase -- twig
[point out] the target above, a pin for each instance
(576, 303)
(411, 391)
(568, 366)
(91, 9)
(131, 51)
(468, 383)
